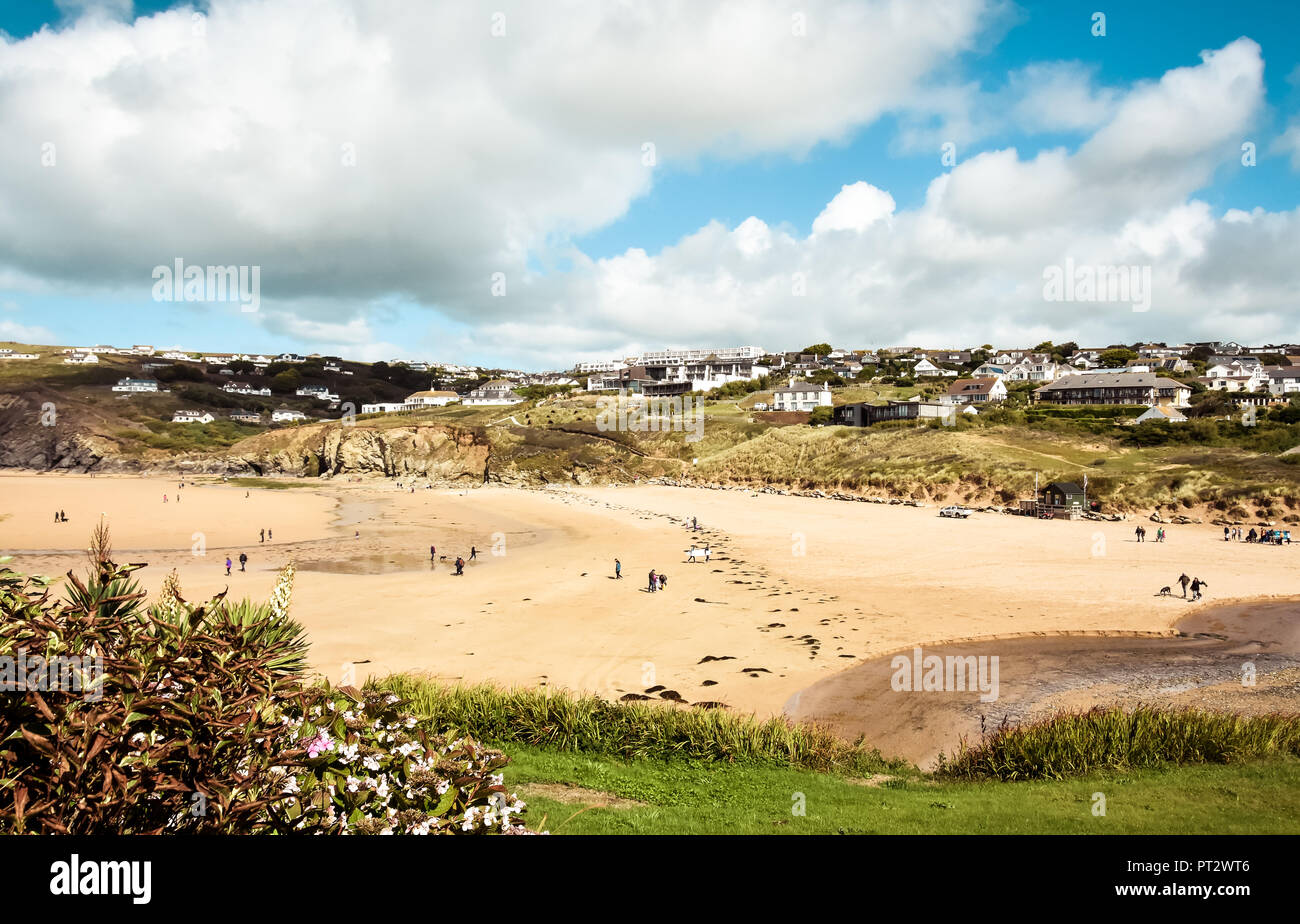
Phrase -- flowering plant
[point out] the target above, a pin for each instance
(362, 766)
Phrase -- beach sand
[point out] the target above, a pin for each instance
(799, 589)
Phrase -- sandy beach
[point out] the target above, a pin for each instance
(799, 590)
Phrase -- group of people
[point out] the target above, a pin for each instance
(460, 562)
(243, 561)
(658, 581)
(1266, 536)
(1141, 533)
(264, 535)
(60, 516)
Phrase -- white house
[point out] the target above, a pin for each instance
(10, 354)
(925, 367)
(383, 407)
(498, 391)
(81, 359)
(284, 414)
(243, 388)
(1162, 412)
(201, 417)
(142, 349)
(245, 417)
(1284, 380)
(430, 399)
(976, 391)
(129, 384)
(990, 371)
(319, 392)
(801, 396)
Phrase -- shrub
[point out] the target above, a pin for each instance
(368, 768)
(1116, 739)
(177, 718)
(166, 726)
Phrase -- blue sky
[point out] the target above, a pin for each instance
(786, 184)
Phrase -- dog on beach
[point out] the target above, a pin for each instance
(1165, 591)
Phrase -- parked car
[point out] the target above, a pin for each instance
(960, 513)
(760, 406)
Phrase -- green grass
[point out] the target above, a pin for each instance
(563, 721)
(1116, 739)
(692, 798)
(586, 766)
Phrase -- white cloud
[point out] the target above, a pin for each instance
(854, 208)
(230, 141)
(25, 333)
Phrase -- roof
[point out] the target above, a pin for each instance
(432, 394)
(1112, 380)
(1065, 487)
(972, 386)
(802, 387)
(1172, 413)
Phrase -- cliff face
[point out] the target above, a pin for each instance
(32, 436)
(435, 452)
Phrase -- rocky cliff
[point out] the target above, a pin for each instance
(436, 452)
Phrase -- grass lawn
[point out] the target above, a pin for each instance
(581, 794)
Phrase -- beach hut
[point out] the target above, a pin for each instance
(1063, 499)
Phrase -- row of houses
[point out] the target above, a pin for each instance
(279, 415)
(495, 392)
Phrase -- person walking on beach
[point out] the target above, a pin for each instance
(56, 516)
(618, 570)
(460, 565)
(663, 581)
(164, 498)
(473, 553)
(1197, 584)
(243, 560)
(261, 536)
(1184, 580)
(228, 564)
(707, 553)
(1226, 533)
(695, 524)
(268, 535)
(433, 553)
(63, 517)
(654, 581)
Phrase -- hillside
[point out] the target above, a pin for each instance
(54, 416)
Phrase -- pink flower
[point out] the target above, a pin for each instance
(319, 744)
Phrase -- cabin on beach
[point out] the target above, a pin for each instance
(1061, 500)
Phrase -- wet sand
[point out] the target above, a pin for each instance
(1215, 650)
(799, 589)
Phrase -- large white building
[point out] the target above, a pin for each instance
(200, 417)
(801, 396)
(609, 365)
(429, 399)
(129, 384)
(498, 391)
